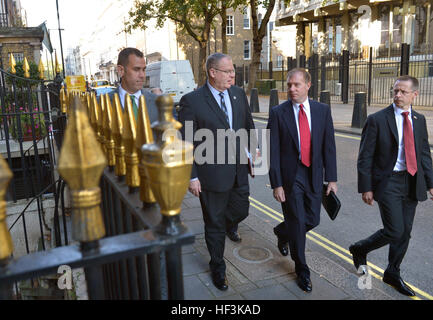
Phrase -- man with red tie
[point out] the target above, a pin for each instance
(302, 156)
(395, 169)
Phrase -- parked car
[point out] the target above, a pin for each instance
(103, 90)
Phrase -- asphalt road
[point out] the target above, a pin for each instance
(356, 221)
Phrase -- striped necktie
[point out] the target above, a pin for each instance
(224, 107)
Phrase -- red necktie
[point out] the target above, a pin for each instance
(409, 145)
(304, 131)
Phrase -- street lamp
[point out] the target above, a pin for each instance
(60, 35)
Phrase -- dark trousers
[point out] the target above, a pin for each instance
(397, 210)
(301, 214)
(222, 211)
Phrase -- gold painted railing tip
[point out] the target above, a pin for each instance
(81, 164)
(6, 245)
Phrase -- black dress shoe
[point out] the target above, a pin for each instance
(220, 282)
(233, 236)
(399, 285)
(359, 258)
(304, 283)
(282, 246)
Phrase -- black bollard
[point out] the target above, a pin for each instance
(273, 99)
(254, 101)
(359, 110)
(325, 97)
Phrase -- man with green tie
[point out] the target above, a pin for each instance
(131, 66)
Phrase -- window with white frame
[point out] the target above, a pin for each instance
(230, 31)
(18, 56)
(279, 61)
(246, 13)
(247, 50)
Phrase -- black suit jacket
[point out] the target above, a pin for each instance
(285, 151)
(379, 150)
(203, 112)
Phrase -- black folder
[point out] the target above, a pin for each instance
(331, 203)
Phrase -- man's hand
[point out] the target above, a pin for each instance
(332, 186)
(431, 193)
(367, 197)
(195, 187)
(279, 194)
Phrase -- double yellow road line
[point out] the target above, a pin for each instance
(330, 246)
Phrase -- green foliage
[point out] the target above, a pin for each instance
(21, 83)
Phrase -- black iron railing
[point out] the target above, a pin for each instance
(370, 71)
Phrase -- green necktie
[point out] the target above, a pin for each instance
(134, 106)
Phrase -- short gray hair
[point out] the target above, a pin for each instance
(413, 80)
(213, 61)
(303, 71)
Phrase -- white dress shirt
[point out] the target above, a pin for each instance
(400, 165)
(122, 93)
(307, 111)
(217, 97)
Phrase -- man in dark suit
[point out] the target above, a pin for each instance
(302, 149)
(131, 66)
(395, 169)
(221, 182)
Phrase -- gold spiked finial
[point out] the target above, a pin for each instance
(81, 164)
(129, 137)
(41, 69)
(101, 130)
(144, 136)
(88, 103)
(12, 63)
(26, 68)
(120, 170)
(96, 119)
(6, 245)
(94, 114)
(168, 162)
(57, 66)
(108, 130)
(64, 100)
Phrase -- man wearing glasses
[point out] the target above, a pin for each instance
(221, 181)
(395, 169)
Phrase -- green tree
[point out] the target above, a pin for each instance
(259, 32)
(195, 17)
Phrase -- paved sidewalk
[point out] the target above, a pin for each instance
(257, 271)
(255, 268)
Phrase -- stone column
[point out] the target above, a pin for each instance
(322, 36)
(345, 30)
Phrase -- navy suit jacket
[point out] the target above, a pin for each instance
(378, 154)
(285, 151)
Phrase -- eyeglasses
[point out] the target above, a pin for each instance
(396, 91)
(226, 71)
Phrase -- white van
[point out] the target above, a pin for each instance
(172, 77)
